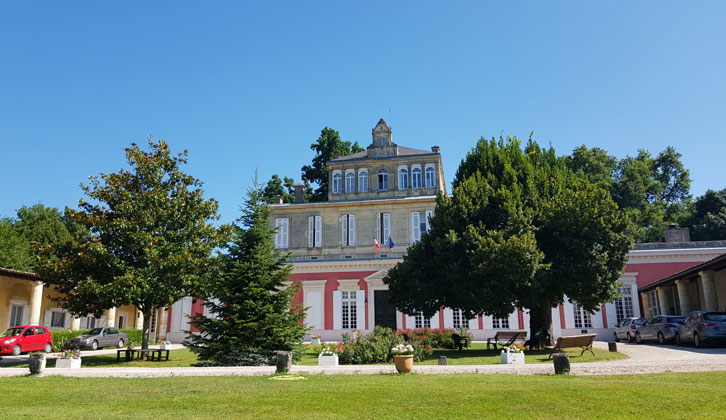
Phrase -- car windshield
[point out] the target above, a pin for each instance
(715, 316)
(95, 331)
(675, 319)
(12, 332)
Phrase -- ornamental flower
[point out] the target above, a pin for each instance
(402, 349)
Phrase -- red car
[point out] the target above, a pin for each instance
(25, 338)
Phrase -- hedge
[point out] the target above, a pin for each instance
(61, 336)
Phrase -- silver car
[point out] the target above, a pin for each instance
(660, 328)
(701, 328)
(98, 338)
(626, 329)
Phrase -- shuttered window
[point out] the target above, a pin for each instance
(315, 231)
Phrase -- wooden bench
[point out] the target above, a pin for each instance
(582, 341)
(151, 354)
(506, 338)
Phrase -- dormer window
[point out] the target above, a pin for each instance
(337, 183)
(382, 180)
(430, 176)
(403, 178)
(416, 177)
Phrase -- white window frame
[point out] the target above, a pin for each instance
(416, 177)
(383, 180)
(419, 224)
(458, 319)
(349, 181)
(315, 231)
(583, 318)
(383, 227)
(282, 229)
(500, 323)
(337, 187)
(402, 177)
(363, 180)
(430, 180)
(420, 321)
(348, 309)
(624, 304)
(347, 230)
(21, 313)
(653, 303)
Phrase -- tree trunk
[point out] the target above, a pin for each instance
(147, 325)
(540, 317)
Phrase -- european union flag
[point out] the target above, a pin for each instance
(390, 243)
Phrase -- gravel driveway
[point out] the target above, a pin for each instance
(644, 358)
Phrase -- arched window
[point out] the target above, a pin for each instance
(337, 183)
(382, 180)
(430, 177)
(416, 178)
(402, 179)
(350, 182)
(363, 181)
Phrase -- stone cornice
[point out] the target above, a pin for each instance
(674, 255)
(342, 266)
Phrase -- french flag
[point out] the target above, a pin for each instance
(378, 246)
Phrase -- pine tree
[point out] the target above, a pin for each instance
(250, 309)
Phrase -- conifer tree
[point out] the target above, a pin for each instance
(250, 309)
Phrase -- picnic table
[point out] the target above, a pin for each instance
(151, 354)
(506, 338)
(583, 341)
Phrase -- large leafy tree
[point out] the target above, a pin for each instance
(249, 304)
(708, 221)
(520, 230)
(151, 238)
(327, 147)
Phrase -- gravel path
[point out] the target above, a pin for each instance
(643, 359)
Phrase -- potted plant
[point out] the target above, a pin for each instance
(328, 356)
(403, 357)
(69, 359)
(165, 345)
(513, 354)
(315, 339)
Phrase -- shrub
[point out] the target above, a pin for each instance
(439, 338)
(375, 347)
(135, 336)
(61, 336)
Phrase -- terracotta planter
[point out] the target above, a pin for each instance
(404, 364)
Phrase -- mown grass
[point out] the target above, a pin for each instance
(478, 355)
(662, 396)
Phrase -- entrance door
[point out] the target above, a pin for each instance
(385, 312)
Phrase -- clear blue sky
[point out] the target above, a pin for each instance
(242, 85)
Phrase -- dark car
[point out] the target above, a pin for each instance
(25, 338)
(701, 328)
(97, 338)
(660, 328)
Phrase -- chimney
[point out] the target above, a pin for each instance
(676, 234)
(435, 149)
(278, 199)
(299, 193)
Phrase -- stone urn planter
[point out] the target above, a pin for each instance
(68, 363)
(404, 363)
(36, 363)
(328, 360)
(511, 358)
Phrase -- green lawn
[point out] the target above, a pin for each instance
(478, 355)
(177, 358)
(663, 396)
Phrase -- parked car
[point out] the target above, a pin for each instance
(25, 338)
(660, 328)
(701, 328)
(98, 338)
(626, 328)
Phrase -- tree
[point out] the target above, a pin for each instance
(250, 307)
(33, 227)
(708, 222)
(595, 164)
(275, 187)
(519, 231)
(151, 238)
(327, 147)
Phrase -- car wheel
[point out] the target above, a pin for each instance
(638, 339)
(697, 340)
(120, 343)
(661, 338)
(94, 345)
(16, 350)
(678, 340)
(48, 348)
(630, 338)
(616, 337)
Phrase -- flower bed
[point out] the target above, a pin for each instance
(376, 347)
